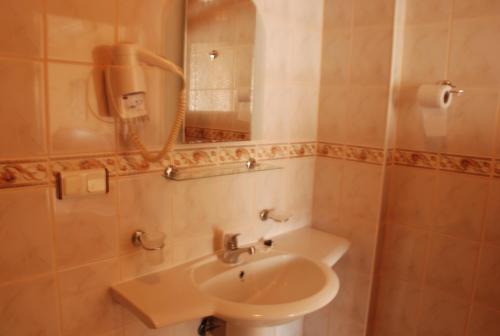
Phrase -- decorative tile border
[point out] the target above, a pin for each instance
(415, 159)
(497, 168)
(272, 152)
(302, 149)
(365, 154)
(194, 157)
(389, 159)
(130, 164)
(335, 151)
(16, 173)
(23, 173)
(465, 164)
(236, 154)
(82, 163)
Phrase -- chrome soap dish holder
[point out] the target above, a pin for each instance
(150, 241)
(266, 214)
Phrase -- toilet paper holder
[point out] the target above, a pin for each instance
(455, 91)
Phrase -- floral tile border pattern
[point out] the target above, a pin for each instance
(364, 154)
(464, 164)
(129, 164)
(331, 150)
(497, 168)
(447, 162)
(236, 154)
(82, 163)
(23, 173)
(194, 157)
(415, 159)
(302, 149)
(16, 173)
(272, 152)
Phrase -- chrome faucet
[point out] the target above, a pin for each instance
(232, 252)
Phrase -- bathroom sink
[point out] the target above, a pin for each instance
(269, 288)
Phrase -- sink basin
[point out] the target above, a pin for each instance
(269, 288)
(272, 287)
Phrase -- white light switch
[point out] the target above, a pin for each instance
(80, 183)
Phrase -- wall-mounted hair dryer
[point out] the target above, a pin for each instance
(126, 90)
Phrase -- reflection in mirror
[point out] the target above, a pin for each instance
(219, 65)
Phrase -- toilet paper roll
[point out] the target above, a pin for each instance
(435, 96)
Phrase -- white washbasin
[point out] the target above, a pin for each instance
(287, 282)
(269, 288)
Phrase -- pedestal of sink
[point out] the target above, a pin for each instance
(291, 328)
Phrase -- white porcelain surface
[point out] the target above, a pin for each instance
(280, 284)
(269, 288)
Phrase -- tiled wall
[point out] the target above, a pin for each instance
(439, 266)
(352, 124)
(58, 258)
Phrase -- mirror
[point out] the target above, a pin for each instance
(219, 57)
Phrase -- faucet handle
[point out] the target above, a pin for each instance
(231, 241)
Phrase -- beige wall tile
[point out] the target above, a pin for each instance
(333, 107)
(411, 197)
(371, 55)
(352, 301)
(366, 117)
(373, 12)
(209, 210)
(487, 290)
(362, 236)
(471, 123)
(360, 199)
(26, 234)
(396, 308)
(474, 58)
(155, 25)
(299, 182)
(29, 308)
(303, 125)
(77, 27)
(441, 314)
(461, 200)
(300, 68)
(327, 189)
(85, 228)
(308, 15)
(451, 266)
(79, 122)
(145, 203)
(425, 54)
(337, 14)
(492, 216)
(477, 8)
(86, 306)
(22, 28)
(404, 253)
(484, 322)
(427, 11)
(336, 57)
(22, 96)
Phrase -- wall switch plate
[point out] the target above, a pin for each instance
(80, 183)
